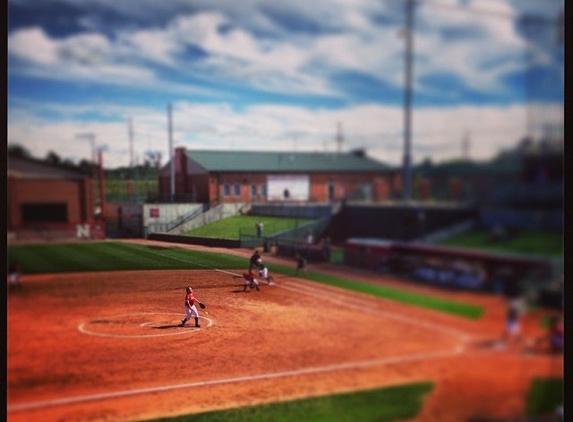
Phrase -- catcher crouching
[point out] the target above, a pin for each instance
(249, 280)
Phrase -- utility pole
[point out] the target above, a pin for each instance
(339, 137)
(133, 169)
(409, 34)
(170, 127)
(466, 146)
(101, 184)
(91, 138)
(130, 143)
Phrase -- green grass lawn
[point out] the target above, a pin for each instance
(424, 301)
(530, 242)
(544, 396)
(233, 227)
(395, 403)
(114, 256)
(387, 404)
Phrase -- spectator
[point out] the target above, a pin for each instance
(444, 275)
(14, 275)
(512, 332)
(556, 335)
(259, 226)
(553, 340)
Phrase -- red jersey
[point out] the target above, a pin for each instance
(249, 276)
(190, 297)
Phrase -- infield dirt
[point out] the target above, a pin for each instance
(106, 346)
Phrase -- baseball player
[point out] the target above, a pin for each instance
(255, 260)
(250, 281)
(264, 273)
(190, 308)
(512, 325)
(300, 263)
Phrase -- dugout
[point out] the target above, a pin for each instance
(396, 222)
(507, 274)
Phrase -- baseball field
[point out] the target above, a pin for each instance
(105, 345)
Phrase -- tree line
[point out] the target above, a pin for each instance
(150, 168)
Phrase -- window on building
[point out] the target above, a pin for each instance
(44, 213)
(226, 190)
(254, 191)
(237, 189)
(264, 190)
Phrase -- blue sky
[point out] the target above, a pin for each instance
(280, 75)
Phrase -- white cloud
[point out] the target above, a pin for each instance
(344, 35)
(33, 45)
(153, 45)
(289, 62)
(436, 132)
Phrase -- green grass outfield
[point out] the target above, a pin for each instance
(543, 244)
(233, 227)
(544, 396)
(114, 256)
(395, 403)
(387, 404)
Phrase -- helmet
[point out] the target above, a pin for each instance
(189, 289)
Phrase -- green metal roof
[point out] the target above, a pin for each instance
(507, 166)
(31, 168)
(296, 162)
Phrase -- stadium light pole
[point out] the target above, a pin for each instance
(170, 128)
(408, 62)
(101, 182)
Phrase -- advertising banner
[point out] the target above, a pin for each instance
(288, 187)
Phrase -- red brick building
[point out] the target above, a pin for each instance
(216, 177)
(49, 202)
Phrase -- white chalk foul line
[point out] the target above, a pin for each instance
(227, 272)
(248, 378)
(337, 298)
(362, 305)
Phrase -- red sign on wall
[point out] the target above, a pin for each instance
(154, 212)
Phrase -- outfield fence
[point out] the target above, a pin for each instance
(294, 241)
(83, 230)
